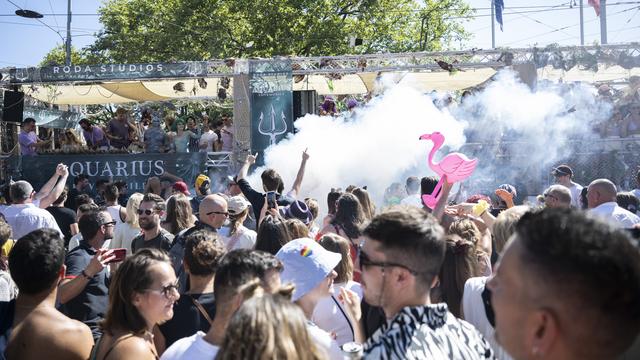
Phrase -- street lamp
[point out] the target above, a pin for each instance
(30, 14)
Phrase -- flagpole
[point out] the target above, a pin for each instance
(493, 26)
(581, 25)
(603, 22)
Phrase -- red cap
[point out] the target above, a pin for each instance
(181, 186)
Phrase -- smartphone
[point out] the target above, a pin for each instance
(120, 254)
(271, 200)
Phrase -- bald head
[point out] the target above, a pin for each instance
(213, 210)
(601, 191)
(557, 196)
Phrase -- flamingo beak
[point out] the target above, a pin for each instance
(425, 137)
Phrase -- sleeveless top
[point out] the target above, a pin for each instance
(94, 351)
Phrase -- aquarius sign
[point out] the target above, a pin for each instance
(273, 127)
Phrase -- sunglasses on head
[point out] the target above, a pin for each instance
(146, 212)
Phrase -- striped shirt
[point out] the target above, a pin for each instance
(427, 332)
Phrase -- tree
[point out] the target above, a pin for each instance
(173, 30)
(57, 56)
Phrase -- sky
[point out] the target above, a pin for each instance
(26, 41)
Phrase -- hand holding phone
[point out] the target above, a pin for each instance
(271, 200)
(119, 255)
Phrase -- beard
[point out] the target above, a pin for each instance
(147, 224)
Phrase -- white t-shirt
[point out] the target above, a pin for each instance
(193, 347)
(244, 238)
(123, 236)
(412, 200)
(616, 214)
(25, 218)
(208, 138)
(324, 341)
(474, 313)
(575, 189)
(331, 316)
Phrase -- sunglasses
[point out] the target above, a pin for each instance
(218, 213)
(364, 261)
(167, 291)
(146, 212)
(110, 223)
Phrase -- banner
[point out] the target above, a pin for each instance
(271, 102)
(108, 72)
(135, 169)
(51, 118)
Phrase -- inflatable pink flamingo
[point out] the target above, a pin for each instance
(455, 166)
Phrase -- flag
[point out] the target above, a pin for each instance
(499, 6)
(596, 6)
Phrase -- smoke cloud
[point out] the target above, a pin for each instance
(378, 144)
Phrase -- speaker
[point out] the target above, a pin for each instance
(304, 102)
(13, 106)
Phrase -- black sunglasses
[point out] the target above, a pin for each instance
(364, 261)
(113, 223)
(146, 212)
(168, 290)
(218, 212)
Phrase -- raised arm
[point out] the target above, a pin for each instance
(48, 186)
(250, 160)
(295, 189)
(54, 194)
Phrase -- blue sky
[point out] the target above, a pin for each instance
(26, 41)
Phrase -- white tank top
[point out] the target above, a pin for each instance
(114, 211)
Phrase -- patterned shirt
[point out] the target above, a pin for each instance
(427, 332)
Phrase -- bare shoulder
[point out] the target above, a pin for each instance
(51, 335)
(133, 347)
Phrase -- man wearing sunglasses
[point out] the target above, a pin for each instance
(151, 209)
(557, 196)
(402, 252)
(212, 213)
(84, 291)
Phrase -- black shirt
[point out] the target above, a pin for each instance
(256, 198)
(90, 306)
(7, 314)
(187, 319)
(177, 252)
(64, 217)
(162, 241)
(71, 199)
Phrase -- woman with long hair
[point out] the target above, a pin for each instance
(124, 233)
(347, 221)
(179, 215)
(141, 295)
(236, 235)
(332, 199)
(297, 228)
(272, 234)
(368, 207)
(269, 327)
(460, 264)
(330, 313)
(196, 308)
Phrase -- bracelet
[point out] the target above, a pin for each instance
(85, 275)
(480, 208)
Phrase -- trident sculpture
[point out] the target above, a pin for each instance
(274, 128)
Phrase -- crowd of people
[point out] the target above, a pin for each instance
(250, 273)
(194, 133)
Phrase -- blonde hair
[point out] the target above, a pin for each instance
(368, 208)
(132, 207)
(466, 229)
(505, 225)
(297, 228)
(269, 327)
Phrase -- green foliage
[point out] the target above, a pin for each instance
(174, 30)
(57, 56)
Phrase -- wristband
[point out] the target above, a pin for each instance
(85, 275)
(480, 208)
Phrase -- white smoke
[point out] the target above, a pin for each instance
(375, 146)
(378, 144)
